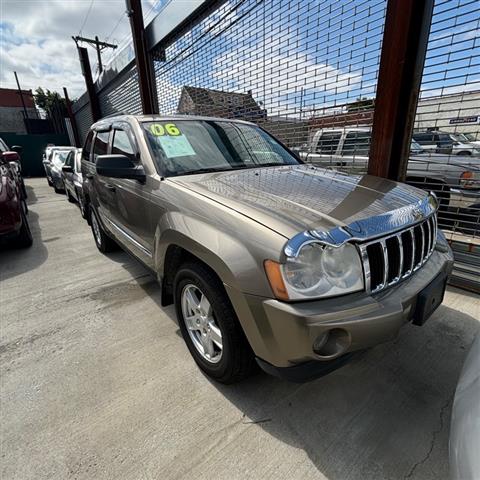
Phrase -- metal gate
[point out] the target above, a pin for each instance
(307, 71)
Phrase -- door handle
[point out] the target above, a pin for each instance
(110, 188)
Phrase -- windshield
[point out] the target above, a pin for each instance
(59, 158)
(183, 147)
(470, 137)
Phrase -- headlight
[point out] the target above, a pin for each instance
(317, 271)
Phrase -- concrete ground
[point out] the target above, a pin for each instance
(96, 381)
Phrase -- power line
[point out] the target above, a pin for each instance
(116, 26)
(86, 17)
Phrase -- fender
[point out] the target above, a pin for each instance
(234, 264)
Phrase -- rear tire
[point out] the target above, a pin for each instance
(24, 238)
(103, 242)
(69, 196)
(81, 204)
(237, 360)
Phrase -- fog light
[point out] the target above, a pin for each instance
(320, 341)
(332, 343)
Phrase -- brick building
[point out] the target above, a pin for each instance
(11, 110)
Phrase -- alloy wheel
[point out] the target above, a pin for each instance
(200, 323)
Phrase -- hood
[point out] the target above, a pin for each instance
(292, 199)
(443, 161)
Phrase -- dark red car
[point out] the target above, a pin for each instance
(14, 228)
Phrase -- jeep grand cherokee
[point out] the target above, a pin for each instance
(264, 257)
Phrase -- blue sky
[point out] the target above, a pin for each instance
(297, 56)
(35, 38)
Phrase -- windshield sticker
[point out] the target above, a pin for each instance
(160, 130)
(176, 146)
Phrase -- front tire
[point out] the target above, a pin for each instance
(210, 326)
(103, 242)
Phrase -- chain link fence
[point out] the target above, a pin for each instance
(307, 71)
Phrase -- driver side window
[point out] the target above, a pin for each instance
(121, 144)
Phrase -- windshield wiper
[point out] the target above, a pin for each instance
(193, 171)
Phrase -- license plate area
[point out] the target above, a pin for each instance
(429, 299)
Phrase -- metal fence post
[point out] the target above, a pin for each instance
(87, 73)
(404, 47)
(71, 116)
(143, 59)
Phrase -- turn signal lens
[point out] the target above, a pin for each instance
(274, 275)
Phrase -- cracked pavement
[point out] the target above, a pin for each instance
(96, 381)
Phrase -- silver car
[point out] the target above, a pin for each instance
(73, 179)
(48, 165)
(465, 423)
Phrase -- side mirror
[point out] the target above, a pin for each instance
(119, 166)
(10, 156)
(17, 148)
(67, 169)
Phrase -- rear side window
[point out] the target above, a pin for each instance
(69, 160)
(121, 144)
(87, 147)
(100, 144)
(328, 143)
(356, 143)
(423, 138)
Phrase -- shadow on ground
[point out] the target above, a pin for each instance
(16, 261)
(386, 415)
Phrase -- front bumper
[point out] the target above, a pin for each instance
(283, 335)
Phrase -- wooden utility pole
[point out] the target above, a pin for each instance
(25, 111)
(99, 46)
(404, 47)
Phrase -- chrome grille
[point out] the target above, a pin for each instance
(389, 259)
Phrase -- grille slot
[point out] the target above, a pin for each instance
(390, 259)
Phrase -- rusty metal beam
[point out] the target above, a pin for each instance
(92, 93)
(146, 80)
(404, 47)
(71, 116)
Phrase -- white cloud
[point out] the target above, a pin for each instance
(36, 40)
(472, 86)
(284, 74)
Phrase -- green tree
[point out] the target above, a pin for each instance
(49, 101)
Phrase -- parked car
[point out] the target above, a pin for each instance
(73, 180)
(473, 138)
(264, 257)
(455, 179)
(465, 422)
(48, 156)
(14, 228)
(12, 155)
(54, 174)
(435, 141)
